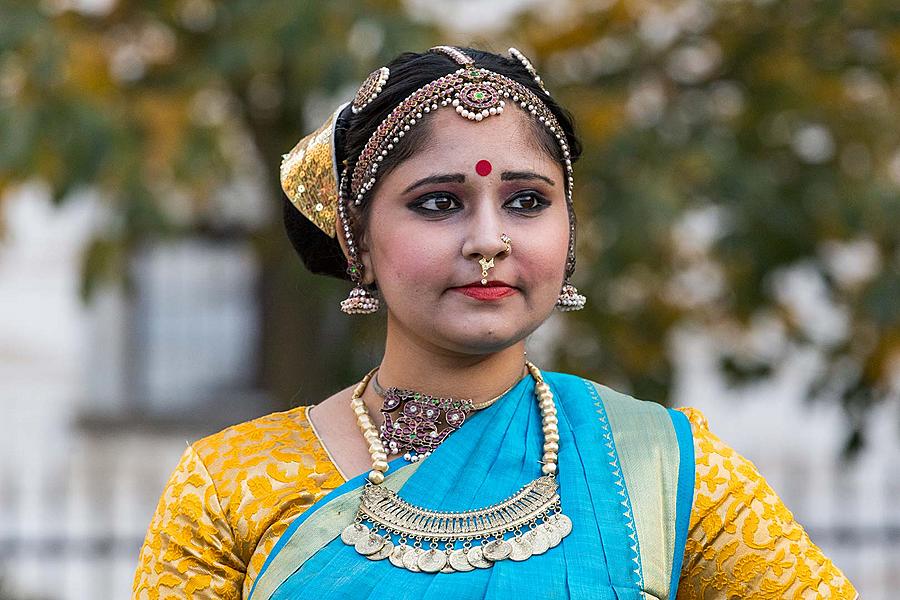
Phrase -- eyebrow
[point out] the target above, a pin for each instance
(445, 178)
(460, 178)
(526, 175)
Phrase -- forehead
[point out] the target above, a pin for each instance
(507, 138)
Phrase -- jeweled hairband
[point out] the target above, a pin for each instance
(475, 93)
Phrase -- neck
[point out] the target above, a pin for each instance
(411, 363)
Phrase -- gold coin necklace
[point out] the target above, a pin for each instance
(532, 515)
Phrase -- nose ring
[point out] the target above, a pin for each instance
(485, 265)
(489, 264)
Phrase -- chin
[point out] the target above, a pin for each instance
(484, 338)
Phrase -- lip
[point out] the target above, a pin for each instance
(493, 290)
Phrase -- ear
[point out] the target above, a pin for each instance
(365, 258)
(362, 254)
(368, 268)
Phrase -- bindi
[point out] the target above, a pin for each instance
(483, 167)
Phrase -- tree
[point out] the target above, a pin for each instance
(159, 104)
(741, 156)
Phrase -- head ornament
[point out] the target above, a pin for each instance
(475, 93)
(319, 188)
(528, 67)
(370, 89)
(309, 175)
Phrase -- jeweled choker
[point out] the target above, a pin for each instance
(416, 423)
(532, 515)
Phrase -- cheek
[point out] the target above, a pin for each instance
(541, 259)
(544, 249)
(408, 259)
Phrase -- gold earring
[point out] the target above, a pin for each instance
(569, 298)
(361, 301)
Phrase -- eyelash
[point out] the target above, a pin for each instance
(541, 203)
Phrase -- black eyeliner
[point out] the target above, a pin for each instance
(542, 202)
(416, 205)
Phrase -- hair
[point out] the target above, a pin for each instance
(322, 254)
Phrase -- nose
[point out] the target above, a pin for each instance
(483, 234)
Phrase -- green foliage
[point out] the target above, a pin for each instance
(780, 120)
(163, 100)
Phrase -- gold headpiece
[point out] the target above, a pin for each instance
(370, 89)
(309, 176)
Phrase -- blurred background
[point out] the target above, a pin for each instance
(739, 243)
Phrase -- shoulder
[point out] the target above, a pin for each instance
(267, 429)
(568, 382)
(643, 429)
(738, 519)
(698, 421)
(231, 496)
(265, 458)
(250, 440)
(715, 458)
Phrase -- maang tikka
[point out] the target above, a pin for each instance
(310, 176)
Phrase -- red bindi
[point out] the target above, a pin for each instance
(483, 168)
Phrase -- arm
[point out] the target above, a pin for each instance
(188, 550)
(742, 540)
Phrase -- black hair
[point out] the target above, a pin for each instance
(408, 72)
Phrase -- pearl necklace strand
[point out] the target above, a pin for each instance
(379, 455)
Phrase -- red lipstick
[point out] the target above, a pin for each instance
(494, 290)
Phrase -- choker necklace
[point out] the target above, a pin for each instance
(416, 423)
(533, 514)
(382, 392)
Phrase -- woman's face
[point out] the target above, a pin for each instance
(435, 215)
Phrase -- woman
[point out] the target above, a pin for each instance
(457, 468)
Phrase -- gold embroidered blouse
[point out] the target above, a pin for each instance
(235, 492)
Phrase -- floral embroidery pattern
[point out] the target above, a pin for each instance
(226, 504)
(742, 541)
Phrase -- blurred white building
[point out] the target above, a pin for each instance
(100, 400)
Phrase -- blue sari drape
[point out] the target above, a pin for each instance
(626, 474)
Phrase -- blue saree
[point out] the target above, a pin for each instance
(626, 478)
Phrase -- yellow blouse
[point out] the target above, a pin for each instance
(235, 492)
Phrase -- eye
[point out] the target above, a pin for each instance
(528, 202)
(436, 203)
